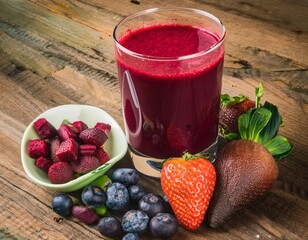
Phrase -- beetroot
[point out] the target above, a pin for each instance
(85, 164)
(44, 128)
(43, 164)
(60, 172)
(38, 148)
(84, 214)
(68, 150)
(66, 131)
(94, 136)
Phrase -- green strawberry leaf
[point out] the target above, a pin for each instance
(253, 122)
(259, 94)
(243, 124)
(271, 129)
(66, 121)
(228, 136)
(279, 147)
(226, 100)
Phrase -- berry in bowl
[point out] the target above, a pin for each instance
(69, 146)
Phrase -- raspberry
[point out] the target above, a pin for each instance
(87, 149)
(38, 148)
(85, 164)
(45, 129)
(43, 164)
(66, 131)
(60, 172)
(103, 126)
(68, 150)
(94, 136)
(102, 156)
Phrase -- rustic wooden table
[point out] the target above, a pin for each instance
(59, 52)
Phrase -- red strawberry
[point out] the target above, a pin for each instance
(67, 131)
(54, 146)
(85, 164)
(43, 164)
(102, 156)
(45, 129)
(188, 183)
(87, 149)
(80, 125)
(68, 151)
(38, 148)
(103, 126)
(60, 172)
(93, 136)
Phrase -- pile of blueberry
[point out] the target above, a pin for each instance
(121, 206)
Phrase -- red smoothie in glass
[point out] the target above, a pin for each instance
(170, 100)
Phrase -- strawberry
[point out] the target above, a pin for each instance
(246, 167)
(188, 183)
(44, 128)
(229, 115)
(94, 136)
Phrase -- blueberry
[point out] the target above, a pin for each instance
(163, 225)
(135, 221)
(93, 196)
(151, 204)
(126, 176)
(136, 192)
(62, 204)
(109, 226)
(117, 197)
(130, 236)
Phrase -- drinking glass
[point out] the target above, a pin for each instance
(170, 63)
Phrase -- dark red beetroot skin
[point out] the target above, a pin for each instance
(45, 129)
(60, 172)
(68, 151)
(38, 148)
(94, 136)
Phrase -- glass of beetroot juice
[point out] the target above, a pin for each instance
(170, 63)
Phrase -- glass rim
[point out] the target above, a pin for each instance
(157, 58)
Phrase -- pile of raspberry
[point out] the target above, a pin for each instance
(69, 151)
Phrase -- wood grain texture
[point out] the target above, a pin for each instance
(61, 51)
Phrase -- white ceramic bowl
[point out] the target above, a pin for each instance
(116, 145)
